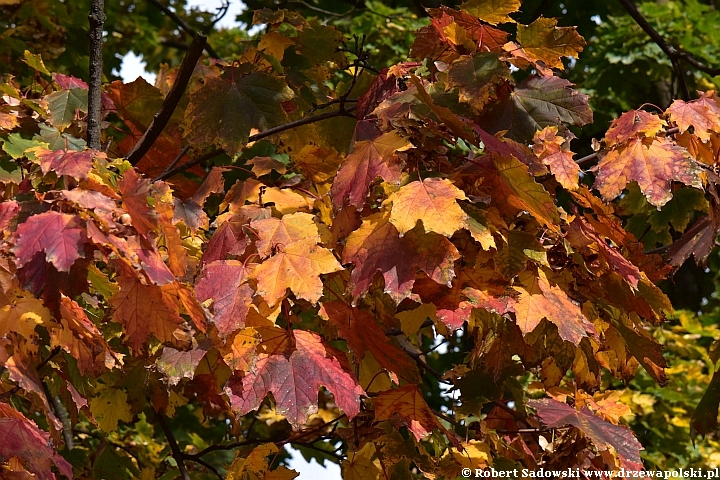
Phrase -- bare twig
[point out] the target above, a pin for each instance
(396, 331)
(162, 117)
(183, 25)
(97, 20)
(672, 52)
(176, 452)
(205, 464)
(345, 112)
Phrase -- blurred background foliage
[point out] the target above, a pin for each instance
(621, 68)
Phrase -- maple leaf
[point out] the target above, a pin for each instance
(59, 235)
(240, 353)
(542, 40)
(537, 102)
(66, 162)
(513, 186)
(191, 212)
(434, 201)
(282, 232)
(225, 281)
(363, 334)
(264, 165)
(583, 235)
(631, 124)
(373, 246)
(492, 11)
(23, 439)
(369, 160)
(255, 466)
(297, 267)
(64, 104)
(548, 146)
(407, 402)
(229, 238)
(135, 192)
(178, 364)
(653, 163)
(539, 299)
(477, 76)
(601, 433)
(225, 109)
(109, 407)
(82, 339)
(702, 114)
(8, 210)
(294, 381)
(144, 310)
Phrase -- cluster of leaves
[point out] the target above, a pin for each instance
(298, 293)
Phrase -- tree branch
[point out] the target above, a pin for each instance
(343, 112)
(672, 52)
(97, 20)
(176, 453)
(162, 117)
(183, 25)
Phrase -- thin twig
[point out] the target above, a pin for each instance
(183, 25)
(174, 162)
(259, 136)
(393, 332)
(97, 20)
(162, 117)
(205, 464)
(337, 456)
(176, 453)
(672, 52)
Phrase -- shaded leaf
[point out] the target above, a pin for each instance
(225, 109)
(539, 299)
(477, 76)
(601, 433)
(537, 102)
(369, 160)
(363, 333)
(373, 247)
(22, 438)
(225, 281)
(294, 381)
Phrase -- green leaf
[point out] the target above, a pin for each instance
(225, 109)
(318, 43)
(15, 145)
(57, 140)
(536, 103)
(704, 420)
(678, 210)
(36, 62)
(477, 76)
(521, 246)
(64, 103)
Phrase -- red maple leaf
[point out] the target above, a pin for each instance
(294, 381)
(59, 235)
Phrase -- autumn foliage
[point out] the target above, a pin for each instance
(288, 286)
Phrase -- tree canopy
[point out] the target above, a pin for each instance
(407, 238)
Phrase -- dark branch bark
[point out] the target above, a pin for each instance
(162, 117)
(176, 453)
(183, 25)
(97, 20)
(672, 52)
(345, 112)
